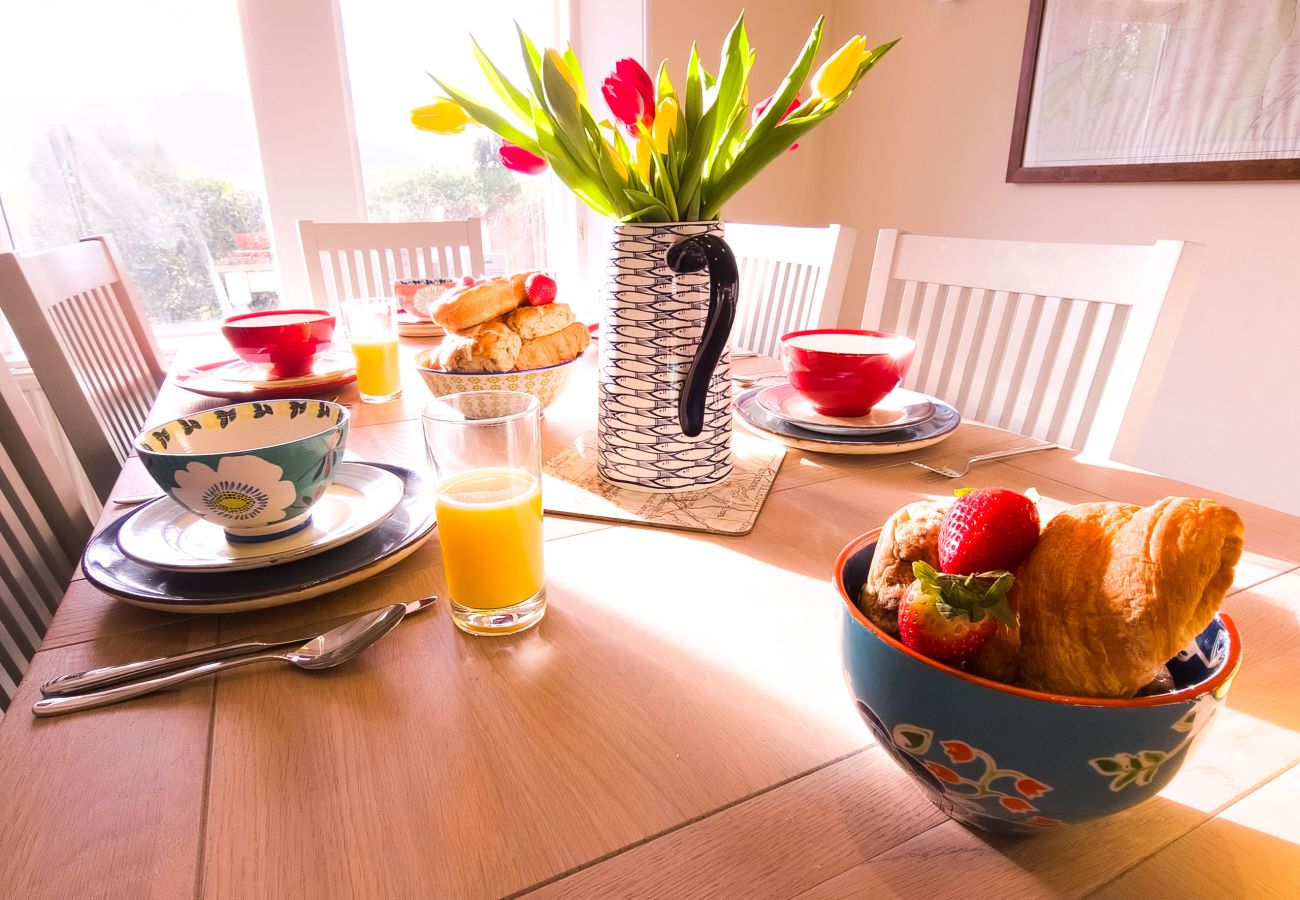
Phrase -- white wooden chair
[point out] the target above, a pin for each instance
(790, 279)
(1064, 342)
(89, 343)
(42, 531)
(362, 259)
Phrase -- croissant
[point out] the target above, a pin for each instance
(1113, 590)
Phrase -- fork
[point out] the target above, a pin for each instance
(950, 472)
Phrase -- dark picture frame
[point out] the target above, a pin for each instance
(1018, 172)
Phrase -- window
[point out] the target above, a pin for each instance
(412, 175)
(134, 120)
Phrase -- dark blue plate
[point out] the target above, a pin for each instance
(401, 533)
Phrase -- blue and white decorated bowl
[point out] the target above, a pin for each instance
(1010, 760)
(255, 469)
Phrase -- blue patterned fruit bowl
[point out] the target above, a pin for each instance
(1010, 760)
(255, 469)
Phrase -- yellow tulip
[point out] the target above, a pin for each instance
(619, 165)
(836, 74)
(557, 60)
(442, 116)
(665, 123)
(643, 156)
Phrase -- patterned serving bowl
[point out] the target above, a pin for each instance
(545, 383)
(255, 469)
(1010, 760)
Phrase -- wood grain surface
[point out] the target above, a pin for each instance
(677, 726)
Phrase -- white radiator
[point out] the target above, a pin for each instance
(65, 457)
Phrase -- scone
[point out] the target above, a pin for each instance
(532, 322)
(910, 534)
(551, 349)
(461, 309)
(490, 347)
(1113, 590)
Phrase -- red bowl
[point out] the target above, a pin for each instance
(845, 371)
(288, 339)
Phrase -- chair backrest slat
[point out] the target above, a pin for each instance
(42, 530)
(364, 258)
(1066, 342)
(790, 279)
(90, 345)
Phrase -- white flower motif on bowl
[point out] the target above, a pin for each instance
(231, 494)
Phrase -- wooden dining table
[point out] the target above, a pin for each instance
(677, 726)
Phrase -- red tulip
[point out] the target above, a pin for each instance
(630, 95)
(764, 104)
(517, 159)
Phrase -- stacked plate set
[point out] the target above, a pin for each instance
(163, 556)
(904, 421)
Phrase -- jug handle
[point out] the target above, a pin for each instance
(692, 254)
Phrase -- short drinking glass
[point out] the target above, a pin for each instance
(485, 449)
(371, 324)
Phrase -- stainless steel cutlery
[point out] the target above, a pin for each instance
(109, 679)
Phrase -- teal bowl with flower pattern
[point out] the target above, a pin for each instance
(255, 469)
(1007, 759)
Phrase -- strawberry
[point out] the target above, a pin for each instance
(948, 617)
(468, 280)
(986, 530)
(539, 288)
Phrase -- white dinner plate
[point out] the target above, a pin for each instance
(168, 536)
(899, 409)
(327, 367)
(417, 326)
(895, 440)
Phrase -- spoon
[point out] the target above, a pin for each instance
(324, 651)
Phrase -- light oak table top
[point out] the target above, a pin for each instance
(677, 726)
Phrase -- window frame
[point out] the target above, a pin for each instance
(307, 141)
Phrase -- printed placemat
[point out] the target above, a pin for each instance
(571, 487)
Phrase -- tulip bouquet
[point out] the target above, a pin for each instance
(666, 156)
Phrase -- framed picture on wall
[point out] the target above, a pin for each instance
(1158, 90)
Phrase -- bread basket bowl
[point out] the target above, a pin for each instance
(545, 383)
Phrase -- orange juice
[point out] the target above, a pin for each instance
(378, 373)
(490, 526)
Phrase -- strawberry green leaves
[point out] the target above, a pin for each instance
(973, 596)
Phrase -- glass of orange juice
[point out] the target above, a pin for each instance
(486, 451)
(371, 324)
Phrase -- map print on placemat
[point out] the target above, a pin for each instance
(571, 487)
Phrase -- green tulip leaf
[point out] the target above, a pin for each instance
(487, 117)
(514, 98)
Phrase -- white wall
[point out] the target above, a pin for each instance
(923, 146)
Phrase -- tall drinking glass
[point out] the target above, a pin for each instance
(371, 324)
(486, 451)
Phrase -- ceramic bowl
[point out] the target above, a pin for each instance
(1011, 760)
(545, 384)
(255, 469)
(288, 339)
(844, 372)
(408, 288)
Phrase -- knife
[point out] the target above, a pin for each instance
(94, 679)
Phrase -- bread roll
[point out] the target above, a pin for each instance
(560, 346)
(461, 309)
(490, 347)
(533, 322)
(1112, 591)
(909, 535)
